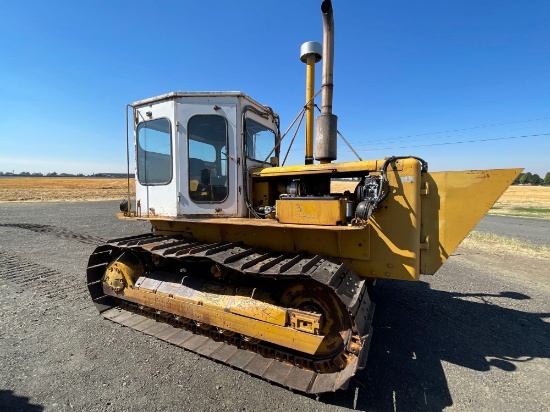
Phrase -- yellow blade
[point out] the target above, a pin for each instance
(455, 203)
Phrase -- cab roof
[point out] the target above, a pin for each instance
(172, 95)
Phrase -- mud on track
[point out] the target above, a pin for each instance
(474, 337)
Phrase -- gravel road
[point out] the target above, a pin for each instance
(535, 231)
(474, 337)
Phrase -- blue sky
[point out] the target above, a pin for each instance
(410, 77)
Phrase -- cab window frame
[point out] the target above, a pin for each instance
(139, 170)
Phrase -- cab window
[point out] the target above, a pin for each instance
(259, 140)
(154, 152)
(207, 161)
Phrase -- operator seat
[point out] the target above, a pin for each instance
(201, 185)
(195, 168)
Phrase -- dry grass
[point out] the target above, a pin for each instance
(505, 246)
(527, 196)
(61, 189)
(524, 201)
(342, 186)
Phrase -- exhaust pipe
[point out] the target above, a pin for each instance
(327, 122)
(310, 53)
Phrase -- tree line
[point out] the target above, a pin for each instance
(55, 174)
(532, 179)
(51, 174)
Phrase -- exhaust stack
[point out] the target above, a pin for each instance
(327, 128)
(310, 53)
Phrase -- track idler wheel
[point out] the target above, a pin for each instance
(123, 272)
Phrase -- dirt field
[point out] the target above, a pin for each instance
(341, 187)
(72, 189)
(524, 201)
(528, 196)
(62, 189)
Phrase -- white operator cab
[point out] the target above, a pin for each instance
(193, 151)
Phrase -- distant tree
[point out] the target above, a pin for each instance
(80, 175)
(1, 173)
(546, 178)
(37, 174)
(536, 180)
(517, 181)
(51, 174)
(24, 174)
(526, 178)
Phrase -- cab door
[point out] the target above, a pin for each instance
(155, 166)
(209, 182)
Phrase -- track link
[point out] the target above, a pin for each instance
(270, 362)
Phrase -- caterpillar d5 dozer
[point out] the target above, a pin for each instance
(264, 267)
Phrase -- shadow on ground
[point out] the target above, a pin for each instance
(11, 402)
(416, 328)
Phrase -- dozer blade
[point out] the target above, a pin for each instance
(452, 204)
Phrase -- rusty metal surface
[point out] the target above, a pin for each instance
(274, 364)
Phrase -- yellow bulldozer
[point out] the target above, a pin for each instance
(264, 267)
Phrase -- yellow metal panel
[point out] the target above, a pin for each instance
(256, 309)
(312, 211)
(280, 335)
(247, 302)
(454, 203)
(362, 166)
(349, 244)
(395, 231)
(213, 296)
(261, 194)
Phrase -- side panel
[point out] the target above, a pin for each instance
(395, 227)
(158, 199)
(312, 212)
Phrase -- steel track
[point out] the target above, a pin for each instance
(270, 362)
